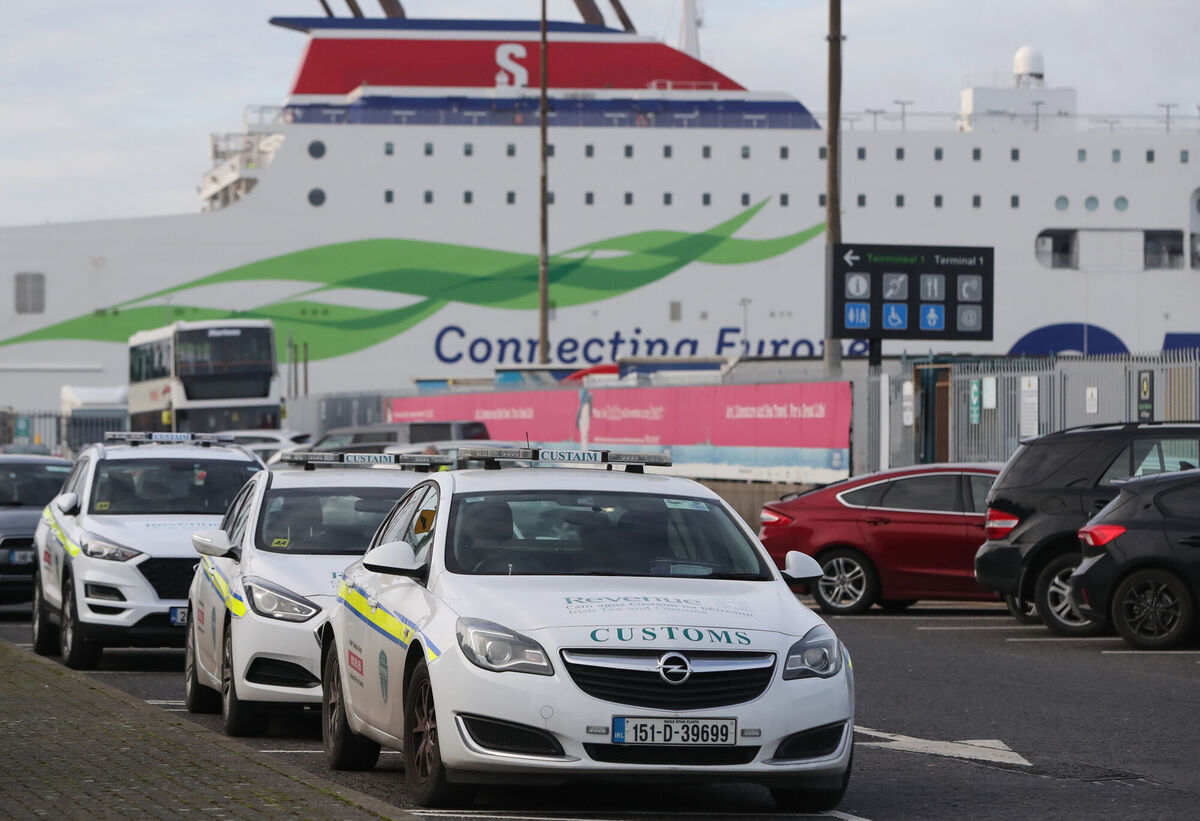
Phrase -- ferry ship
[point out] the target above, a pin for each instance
(385, 215)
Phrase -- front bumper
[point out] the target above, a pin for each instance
(278, 661)
(119, 607)
(1092, 586)
(582, 727)
(998, 567)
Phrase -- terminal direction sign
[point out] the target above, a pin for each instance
(911, 292)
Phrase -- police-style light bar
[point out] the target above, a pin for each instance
(310, 459)
(632, 461)
(142, 437)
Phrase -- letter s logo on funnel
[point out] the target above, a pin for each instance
(511, 72)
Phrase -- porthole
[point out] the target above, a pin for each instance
(316, 197)
(316, 149)
(1061, 203)
(1091, 203)
(1120, 203)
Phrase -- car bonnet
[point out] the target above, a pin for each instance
(169, 536)
(308, 574)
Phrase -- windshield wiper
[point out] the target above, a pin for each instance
(751, 577)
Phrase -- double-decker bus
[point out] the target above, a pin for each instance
(205, 376)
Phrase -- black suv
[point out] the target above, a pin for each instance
(1049, 489)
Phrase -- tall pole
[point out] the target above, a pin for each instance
(543, 227)
(833, 198)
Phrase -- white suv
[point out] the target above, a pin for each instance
(114, 552)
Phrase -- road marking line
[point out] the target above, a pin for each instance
(1152, 652)
(656, 814)
(162, 701)
(382, 752)
(986, 627)
(983, 749)
(1071, 638)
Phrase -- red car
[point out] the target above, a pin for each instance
(888, 538)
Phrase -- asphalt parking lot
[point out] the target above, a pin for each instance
(962, 713)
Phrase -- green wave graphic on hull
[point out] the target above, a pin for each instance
(435, 274)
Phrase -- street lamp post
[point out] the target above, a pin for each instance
(1167, 107)
(543, 217)
(874, 112)
(904, 104)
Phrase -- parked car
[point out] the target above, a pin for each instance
(27, 484)
(377, 438)
(888, 538)
(264, 442)
(1049, 488)
(1141, 561)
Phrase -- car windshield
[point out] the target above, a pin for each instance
(323, 520)
(29, 484)
(552, 532)
(157, 486)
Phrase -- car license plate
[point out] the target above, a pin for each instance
(179, 616)
(20, 557)
(678, 731)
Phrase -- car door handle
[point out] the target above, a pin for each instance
(879, 521)
(1190, 541)
(372, 602)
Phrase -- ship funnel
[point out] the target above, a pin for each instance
(1029, 69)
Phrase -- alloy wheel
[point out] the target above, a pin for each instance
(424, 733)
(844, 582)
(1151, 609)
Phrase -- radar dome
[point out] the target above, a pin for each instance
(1028, 64)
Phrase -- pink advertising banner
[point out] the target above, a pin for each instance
(543, 416)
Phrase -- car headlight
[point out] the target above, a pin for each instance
(100, 549)
(497, 648)
(275, 602)
(817, 655)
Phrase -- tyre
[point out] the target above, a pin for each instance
(812, 800)
(45, 634)
(896, 605)
(1054, 603)
(196, 697)
(1023, 610)
(849, 584)
(344, 748)
(423, 768)
(1153, 610)
(241, 718)
(77, 652)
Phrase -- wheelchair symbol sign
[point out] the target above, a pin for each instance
(895, 317)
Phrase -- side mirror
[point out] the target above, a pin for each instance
(214, 543)
(393, 558)
(68, 503)
(800, 567)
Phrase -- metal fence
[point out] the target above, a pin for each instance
(58, 434)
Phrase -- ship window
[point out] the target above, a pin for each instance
(745, 152)
(1149, 155)
(628, 150)
(589, 198)
(511, 149)
(388, 196)
(428, 149)
(1016, 155)
(821, 152)
(1082, 154)
(1116, 155)
(937, 200)
(549, 149)
(1014, 201)
(862, 200)
(862, 153)
(389, 148)
(783, 152)
(899, 200)
(706, 152)
(1091, 203)
(976, 201)
(1057, 248)
(589, 150)
(706, 198)
(468, 197)
(316, 197)
(666, 198)
(666, 152)
(977, 154)
(428, 197)
(783, 200)
(1120, 203)
(745, 199)
(1163, 249)
(30, 297)
(821, 200)
(899, 152)
(549, 198)
(676, 311)
(511, 197)
(937, 154)
(1183, 155)
(629, 198)
(316, 149)
(1061, 203)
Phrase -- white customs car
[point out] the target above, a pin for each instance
(552, 625)
(113, 549)
(271, 571)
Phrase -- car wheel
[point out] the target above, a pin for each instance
(795, 800)
(77, 652)
(344, 748)
(1052, 597)
(423, 768)
(849, 584)
(896, 605)
(241, 718)
(196, 697)
(1153, 610)
(45, 638)
(1023, 610)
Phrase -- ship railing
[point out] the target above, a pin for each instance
(683, 85)
(986, 122)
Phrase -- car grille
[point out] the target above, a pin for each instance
(170, 578)
(693, 756)
(718, 678)
(16, 543)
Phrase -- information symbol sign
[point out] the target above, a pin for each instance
(858, 286)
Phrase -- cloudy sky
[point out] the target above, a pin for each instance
(106, 107)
